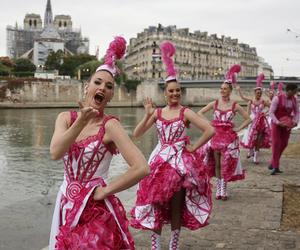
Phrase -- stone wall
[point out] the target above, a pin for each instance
(68, 91)
(190, 96)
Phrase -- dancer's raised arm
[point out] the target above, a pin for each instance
(148, 119)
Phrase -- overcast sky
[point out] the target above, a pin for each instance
(260, 23)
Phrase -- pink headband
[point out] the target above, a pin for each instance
(115, 51)
(259, 81)
(167, 51)
(230, 76)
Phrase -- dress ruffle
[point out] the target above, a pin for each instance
(97, 228)
(156, 191)
(259, 125)
(225, 141)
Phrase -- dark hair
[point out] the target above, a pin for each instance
(291, 86)
(167, 82)
(91, 76)
(228, 83)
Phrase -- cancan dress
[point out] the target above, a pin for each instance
(172, 168)
(226, 141)
(258, 126)
(80, 222)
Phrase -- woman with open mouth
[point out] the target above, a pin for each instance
(87, 214)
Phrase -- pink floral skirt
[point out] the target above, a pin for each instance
(97, 228)
(226, 142)
(259, 127)
(156, 191)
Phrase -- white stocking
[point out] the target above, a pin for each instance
(174, 242)
(155, 241)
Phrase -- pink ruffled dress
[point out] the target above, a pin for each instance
(259, 125)
(172, 168)
(225, 141)
(80, 222)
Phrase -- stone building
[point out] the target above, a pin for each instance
(36, 40)
(198, 55)
(265, 68)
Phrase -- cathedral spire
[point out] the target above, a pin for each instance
(48, 19)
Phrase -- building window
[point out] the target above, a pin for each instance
(34, 23)
(59, 24)
(30, 22)
(65, 24)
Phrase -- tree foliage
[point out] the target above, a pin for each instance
(23, 65)
(4, 70)
(54, 60)
(70, 63)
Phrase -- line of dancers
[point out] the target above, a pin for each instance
(174, 186)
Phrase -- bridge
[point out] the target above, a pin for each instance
(217, 83)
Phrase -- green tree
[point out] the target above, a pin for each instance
(131, 84)
(70, 63)
(4, 70)
(54, 60)
(88, 68)
(23, 65)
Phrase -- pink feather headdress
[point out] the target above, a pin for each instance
(230, 76)
(273, 85)
(167, 51)
(115, 51)
(280, 87)
(259, 81)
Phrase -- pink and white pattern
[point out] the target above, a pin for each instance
(172, 168)
(259, 126)
(225, 141)
(80, 222)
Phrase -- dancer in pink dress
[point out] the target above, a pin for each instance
(258, 133)
(222, 154)
(87, 215)
(284, 112)
(177, 191)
